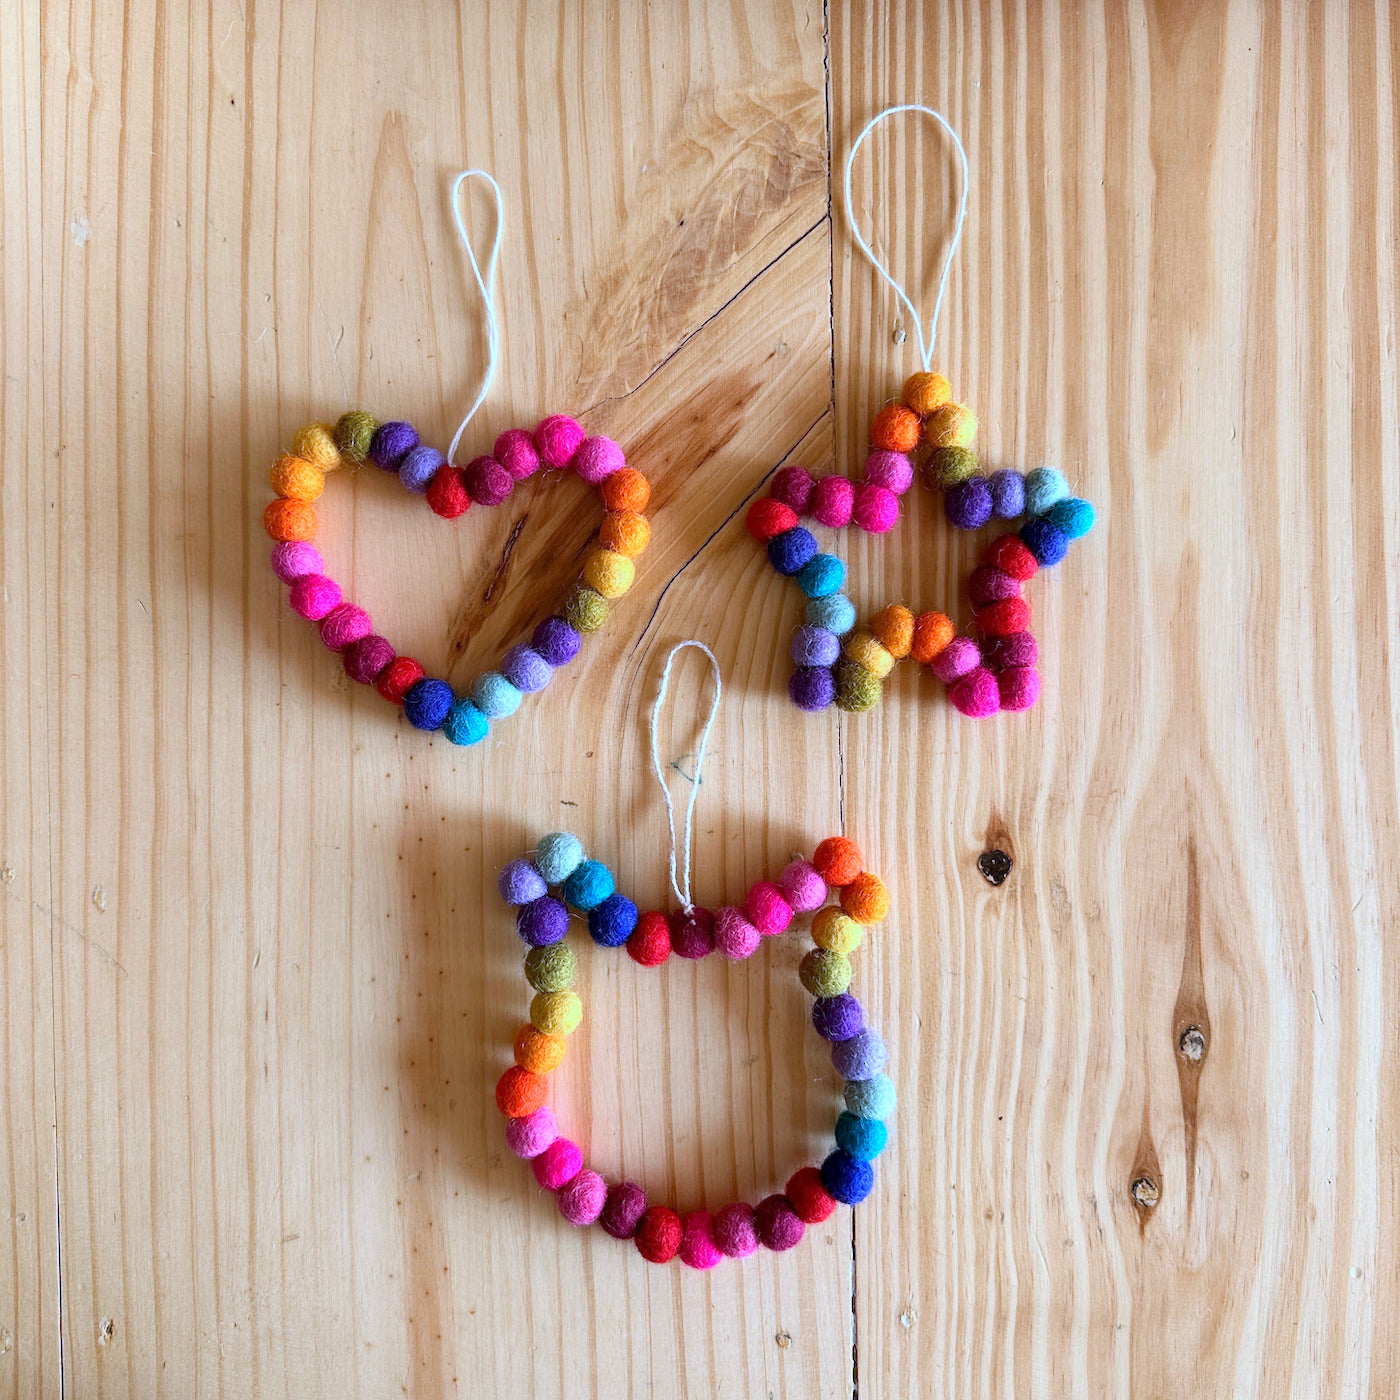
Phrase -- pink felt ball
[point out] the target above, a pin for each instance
(803, 888)
(698, 1247)
(529, 1136)
(1020, 687)
(515, 451)
(597, 459)
(876, 508)
(793, 487)
(956, 659)
(314, 596)
(768, 910)
(557, 439)
(344, 625)
(581, 1200)
(558, 1164)
(734, 1230)
(365, 660)
(977, 694)
(779, 1225)
(892, 470)
(487, 481)
(294, 559)
(832, 502)
(735, 936)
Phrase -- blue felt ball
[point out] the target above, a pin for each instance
(495, 696)
(847, 1179)
(871, 1098)
(1074, 517)
(863, 1056)
(465, 724)
(1046, 541)
(542, 922)
(611, 923)
(426, 703)
(418, 467)
(821, 576)
(861, 1138)
(836, 613)
(520, 883)
(557, 856)
(815, 646)
(791, 551)
(1045, 486)
(588, 886)
(1008, 493)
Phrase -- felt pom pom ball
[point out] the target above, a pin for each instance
(988, 584)
(354, 432)
(892, 470)
(426, 703)
(610, 924)
(698, 1247)
(792, 486)
(527, 1137)
(626, 532)
(968, 505)
(821, 576)
(871, 1098)
(960, 656)
(1045, 486)
(1073, 516)
(861, 1138)
(315, 442)
(390, 443)
(896, 429)
(294, 559)
(861, 1057)
(289, 520)
(515, 451)
(857, 690)
(556, 1013)
(734, 1230)
(866, 899)
(625, 490)
(832, 502)
(876, 508)
(495, 696)
(419, 466)
(585, 610)
(838, 860)
(950, 466)
(588, 886)
(608, 573)
(735, 936)
(650, 942)
(543, 922)
(551, 968)
(692, 933)
(824, 973)
(301, 481)
(557, 856)
(779, 1225)
(526, 669)
(1008, 493)
(833, 928)
(581, 1200)
(487, 481)
(811, 688)
(623, 1210)
(398, 678)
(366, 659)
(557, 439)
(556, 641)
(659, 1235)
(768, 519)
(932, 632)
(314, 596)
(520, 883)
(1045, 540)
(808, 1196)
(1019, 649)
(837, 1018)
(1011, 555)
(344, 624)
(953, 425)
(836, 613)
(447, 492)
(767, 908)
(814, 646)
(520, 1092)
(791, 551)
(558, 1164)
(804, 889)
(977, 694)
(846, 1178)
(537, 1052)
(925, 392)
(597, 458)
(1019, 686)
(1005, 618)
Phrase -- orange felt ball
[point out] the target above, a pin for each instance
(953, 425)
(895, 429)
(290, 520)
(838, 860)
(932, 632)
(537, 1052)
(519, 1092)
(627, 532)
(625, 490)
(894, 630)
(925, 393)
(297, 480)
(866, 899)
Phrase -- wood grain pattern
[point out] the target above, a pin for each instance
(258, 983)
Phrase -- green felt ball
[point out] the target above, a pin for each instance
(353, 432)
(950, 465)
(856, 689)
(825, 973)
(551, 969)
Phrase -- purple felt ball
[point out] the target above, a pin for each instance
(812, 688)
(526, 669)
(390, 443)
(418, 466)
(862, 1056)
(779, 1226)
(556, 641)
(815, 646)
(543, 921)
(1008, 494)
(837, 1018)
(520, 883)
(968, 505)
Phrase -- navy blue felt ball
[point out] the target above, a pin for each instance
(792, 551)
(847, 1179)
(611, 923)
(426, 703)
(1045, 540)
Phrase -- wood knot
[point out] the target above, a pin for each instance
(1146, 1193)
(1192, 1044)
(995, 866)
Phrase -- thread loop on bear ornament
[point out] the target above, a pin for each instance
(485, 285)
(926, 344)
(680, 879)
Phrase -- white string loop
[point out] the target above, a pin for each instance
(925, 346)
(485, 285)
(680, 886)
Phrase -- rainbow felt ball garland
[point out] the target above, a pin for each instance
(838, 661)
(559, 879)
(428, 703)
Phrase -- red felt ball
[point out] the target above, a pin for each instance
(447, 493)
(808, 1196)
(659, 1235)
(520, 1092)
(650, 942)
(838, 860)
(1009, 554)
(397, 677)
(1004, 618)
(768, 518)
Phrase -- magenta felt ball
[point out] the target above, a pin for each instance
(558, 1164)
(557, 439)
(294, 559)
(1019, 649)
(515, 451)
(734, 1230)
(529, 1136)
(623, 1210)
(314, 596)
(344, 625)
(833, 499)
(597, 459)
(977, 694)
(366, 659)
(735, 936)
(693, 933)
(892, 470)
(698, 1247)
(779, 1226)
(767, 908)
(802, 887)
(876, 508)
(988, 584)
(581, 1200)
(792, 486)
(1019, 687)
(959, 657)
(487, 481)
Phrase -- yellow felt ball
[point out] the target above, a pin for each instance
(836, 931)
(626, 532)
(315, 443)
(894, 629)
(608, 573)
(924, 393)
(556, 1013)
(953, 425)
(865, 651)
(297, 480)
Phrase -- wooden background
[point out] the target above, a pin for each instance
(258, 985)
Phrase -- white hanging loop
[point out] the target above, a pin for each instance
(680, 884)
(485, 285)
(925, 344)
